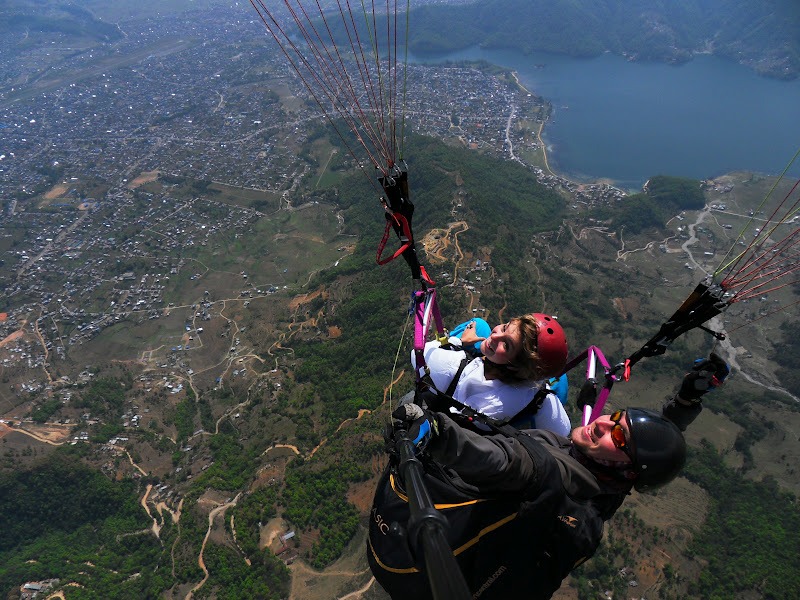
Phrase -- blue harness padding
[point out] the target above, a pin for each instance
(560, 387)
(482, 329)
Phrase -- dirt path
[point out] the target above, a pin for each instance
(201, 563)
(360, 592)
(302, 566)
(387, 391)
(361, 413)
(40, 337)
(693, 237)
(156, 528)
(12, 337)
(135, 466)
(437, 241)
(324, 440)
(40, 438)
(290, 446)
(174, 514)
(301, 570)
(459, 253)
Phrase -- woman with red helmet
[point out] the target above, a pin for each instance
(514, 361)
(533, 346)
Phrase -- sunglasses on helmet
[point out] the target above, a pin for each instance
(618, 434)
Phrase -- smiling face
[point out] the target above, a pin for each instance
(503, 344)
(595, 441)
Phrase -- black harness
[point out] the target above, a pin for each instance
(441, 401)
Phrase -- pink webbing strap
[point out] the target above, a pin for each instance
(595, 354)
(425, 307)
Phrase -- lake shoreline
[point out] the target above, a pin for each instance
(594, 181)
(628, 121)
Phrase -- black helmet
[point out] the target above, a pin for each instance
(659, 449)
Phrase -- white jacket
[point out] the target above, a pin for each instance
(491, 397)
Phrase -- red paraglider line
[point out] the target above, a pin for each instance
(376, 131)
(369, 86)
(324, 85)
(760, 276)
(777, 310)
(377, 134)
(758, 254)
(392, 53)
(778, 253)
(263, 16)
(340, 77)
(757, 290)
(334, 80)
(757, 243)
(380, 102)
(333, 75)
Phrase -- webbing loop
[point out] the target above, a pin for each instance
(401, 223)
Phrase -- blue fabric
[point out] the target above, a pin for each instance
(423, 436)
(482, 329)
(560, 388)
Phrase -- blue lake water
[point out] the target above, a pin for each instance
(627, 121)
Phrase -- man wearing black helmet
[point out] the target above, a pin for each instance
(524, 510)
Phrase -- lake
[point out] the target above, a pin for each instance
(627, 121)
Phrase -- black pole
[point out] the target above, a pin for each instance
(427, 527)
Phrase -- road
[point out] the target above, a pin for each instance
(211, 516)
(692, 228)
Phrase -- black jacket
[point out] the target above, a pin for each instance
(519, 519)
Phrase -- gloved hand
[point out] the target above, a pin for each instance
(418, 422)
(587, 396)
(706, 375)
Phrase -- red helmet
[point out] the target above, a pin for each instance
(551, 345)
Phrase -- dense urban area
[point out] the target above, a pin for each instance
(187, 111)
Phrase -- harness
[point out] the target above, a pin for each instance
(566, 529)
(440, 401)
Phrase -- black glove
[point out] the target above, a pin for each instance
(419, 423)
(588, 393)
(432, 401)
(706, 375)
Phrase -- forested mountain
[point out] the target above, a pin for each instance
(763, 35)
(54, 19)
